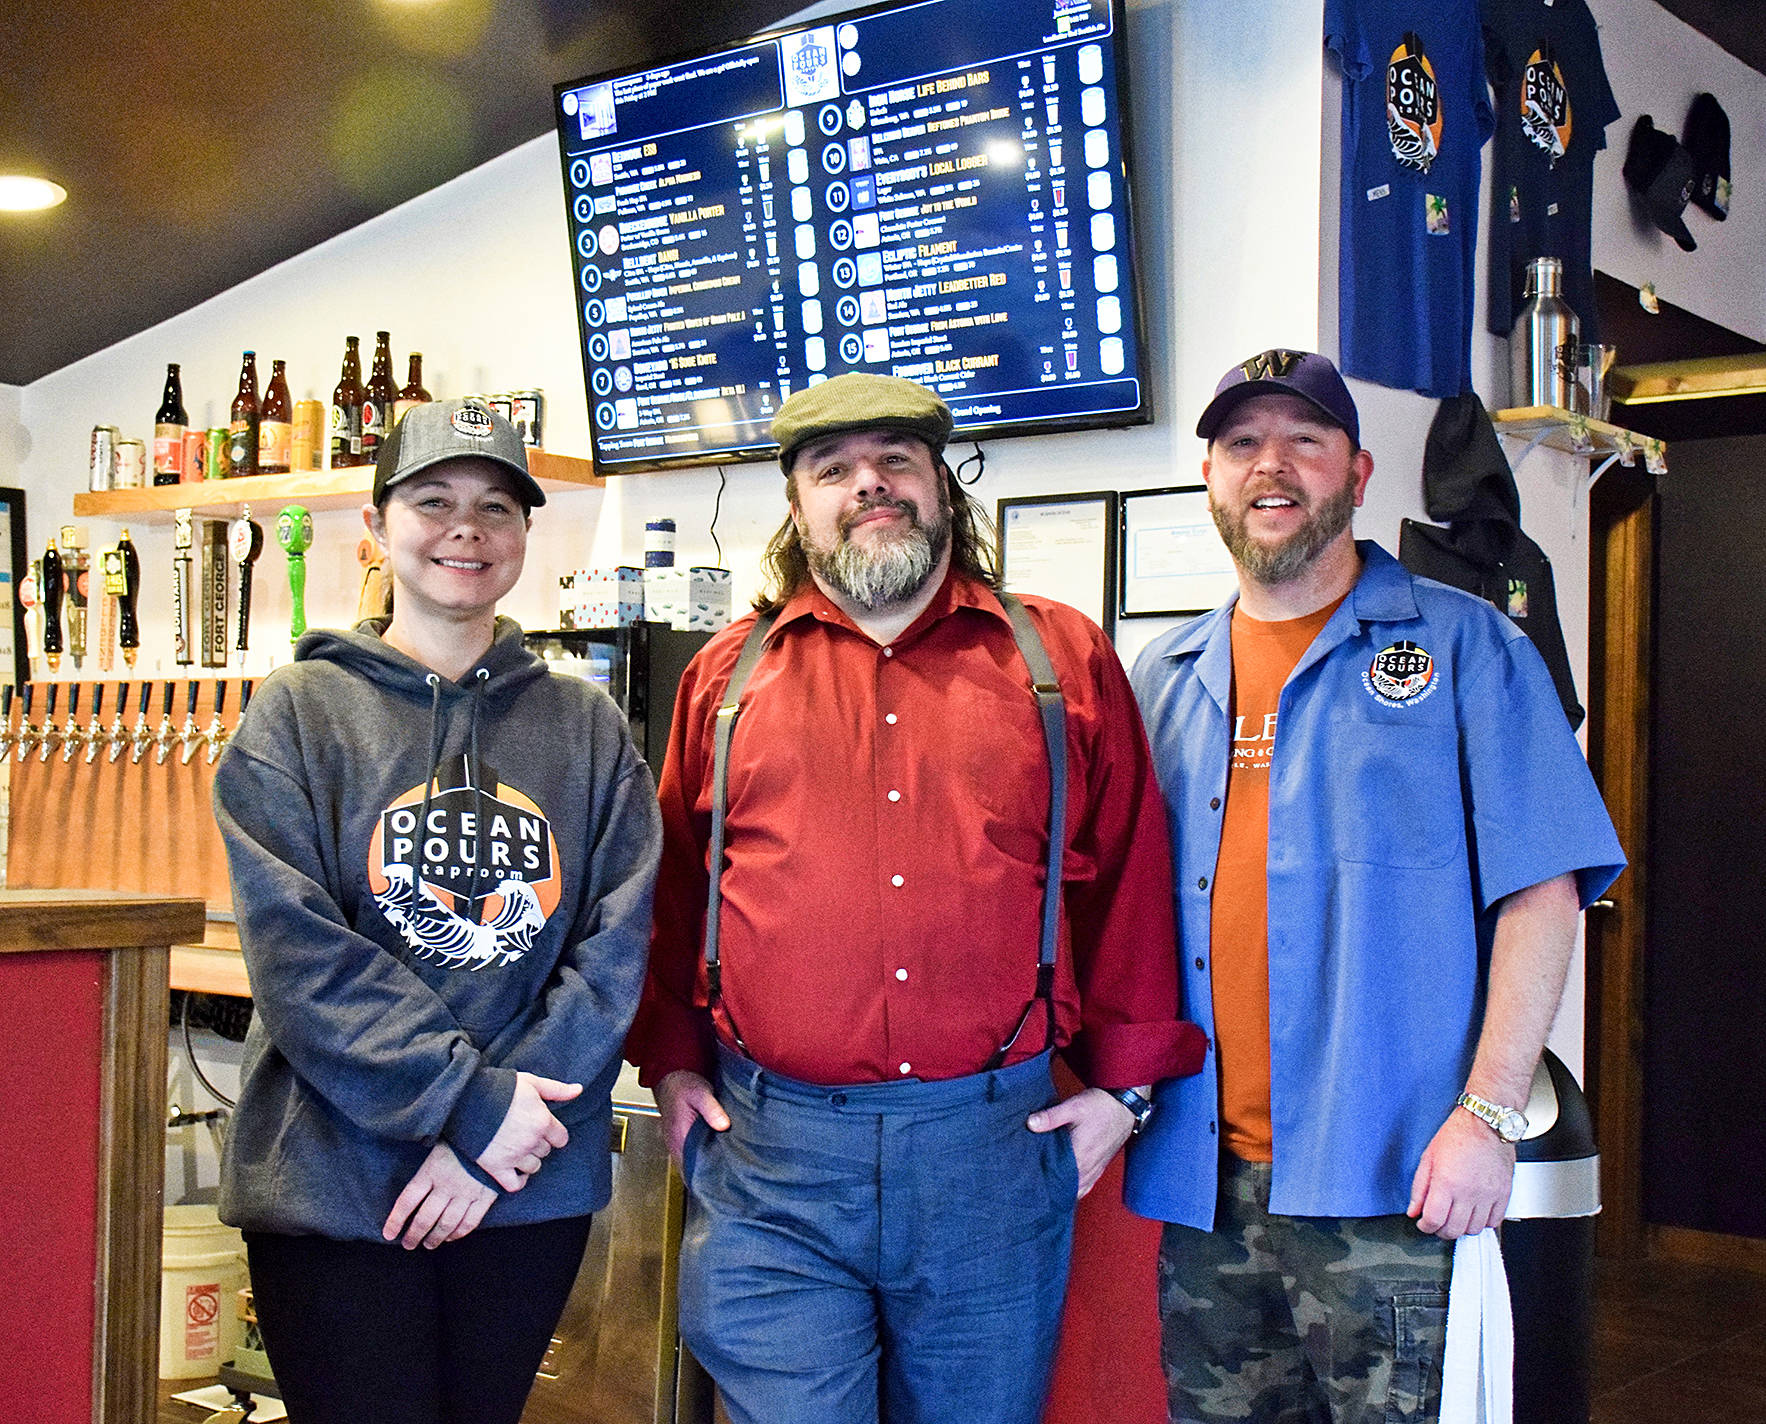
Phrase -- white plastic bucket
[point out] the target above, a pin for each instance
(202, 1272)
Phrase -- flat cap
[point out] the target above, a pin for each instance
(859, 400)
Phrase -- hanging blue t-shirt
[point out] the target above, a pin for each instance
(1553, 105)
(1415, 115)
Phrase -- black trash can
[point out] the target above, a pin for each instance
(1548, 1249)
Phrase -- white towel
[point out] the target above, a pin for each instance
(1478, 1378)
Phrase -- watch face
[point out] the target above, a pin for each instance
(1511, 1126)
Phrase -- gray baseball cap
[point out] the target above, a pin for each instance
(447, 430)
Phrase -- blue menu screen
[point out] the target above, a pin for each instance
(935, 190)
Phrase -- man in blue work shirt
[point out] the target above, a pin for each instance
(1383, 835)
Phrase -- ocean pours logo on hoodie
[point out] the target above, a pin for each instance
(470, 880)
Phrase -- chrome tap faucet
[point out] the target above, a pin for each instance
(50, 737)
(217, 733)
(119, 734)
(168, 734)
(73, 735)
(192, 736)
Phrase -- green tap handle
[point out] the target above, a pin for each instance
(294, 532)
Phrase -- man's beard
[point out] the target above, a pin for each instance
(1275, 562)
(889, 566)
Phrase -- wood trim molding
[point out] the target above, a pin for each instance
(1707, 1248)
(1622, 618)
(125, 1370)
(35, 920)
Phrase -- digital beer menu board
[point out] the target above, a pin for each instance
(934, 190)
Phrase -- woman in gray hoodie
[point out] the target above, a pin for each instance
(442, 859)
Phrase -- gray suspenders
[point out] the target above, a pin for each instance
(1053, 709)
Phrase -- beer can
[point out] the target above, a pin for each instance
(194, 441)
(501, 404)
(528, 416)
(102, 460)
(131, 466)
(309, 436)
(215, 465)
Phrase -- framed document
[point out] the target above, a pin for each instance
(1173, 560)
(1062, 546)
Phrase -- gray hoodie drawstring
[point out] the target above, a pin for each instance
(435, 741)
(480, 679)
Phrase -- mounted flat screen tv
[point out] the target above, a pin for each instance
(935, 190)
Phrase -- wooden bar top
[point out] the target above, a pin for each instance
(36, 920)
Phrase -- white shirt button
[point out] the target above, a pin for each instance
(901, 974)
(895, 795)
(889, 717)
(895, 880)
(889, 653)
(907, 1068)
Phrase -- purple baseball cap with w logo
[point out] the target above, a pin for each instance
(1279, 372)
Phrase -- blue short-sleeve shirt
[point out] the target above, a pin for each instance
(1423, 770)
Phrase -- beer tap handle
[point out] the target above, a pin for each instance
(51, 590)
(162, 744)
(128, 630)
(73, 737)
(27, 734)
(245, 541)
(294, 532)
(142, 738)
(50, 737)
(182, 539)
(217, 729)
(191, 737)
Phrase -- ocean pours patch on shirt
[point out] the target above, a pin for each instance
(491, 838)
(1413, 106)
(1545, 104)
(1401, 675)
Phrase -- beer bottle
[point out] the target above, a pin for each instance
(242, 434)
(168, 431)
(346, 409)
(383, 393)
(276, 427)
(413, 392)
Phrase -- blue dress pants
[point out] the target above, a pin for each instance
(886, 1253)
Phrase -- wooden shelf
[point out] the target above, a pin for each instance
(1575, 434)
(316, 489)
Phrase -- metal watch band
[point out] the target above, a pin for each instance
(1142, 1108)
(1499, 1119)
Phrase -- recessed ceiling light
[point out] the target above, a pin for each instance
(19, 194)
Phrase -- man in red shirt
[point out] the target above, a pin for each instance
(853, 1067)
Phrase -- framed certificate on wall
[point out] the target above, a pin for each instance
(1062, 546)
(1172, 558)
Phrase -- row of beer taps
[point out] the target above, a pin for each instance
(70, 737)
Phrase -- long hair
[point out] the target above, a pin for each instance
(972, 547)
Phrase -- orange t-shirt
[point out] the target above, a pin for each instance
(1264, 654)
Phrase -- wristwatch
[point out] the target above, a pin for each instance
(1510, 1124)
(1142, 1108)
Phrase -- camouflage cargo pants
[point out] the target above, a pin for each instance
(1301, 1320)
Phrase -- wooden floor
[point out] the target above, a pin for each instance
(1678, 1344)
(1674, 1344)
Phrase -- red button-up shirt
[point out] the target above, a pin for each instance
(886, 836)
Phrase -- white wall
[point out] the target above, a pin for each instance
(12, 433)
(1656, 64)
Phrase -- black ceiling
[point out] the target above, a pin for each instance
(202, 142)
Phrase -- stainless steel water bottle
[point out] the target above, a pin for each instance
(1545, 344)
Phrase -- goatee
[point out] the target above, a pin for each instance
(1275, 562)
(889, 567)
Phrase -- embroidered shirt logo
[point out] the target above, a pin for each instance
(1400, 673)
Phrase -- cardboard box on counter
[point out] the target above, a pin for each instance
(695, 598)
(608, 597)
